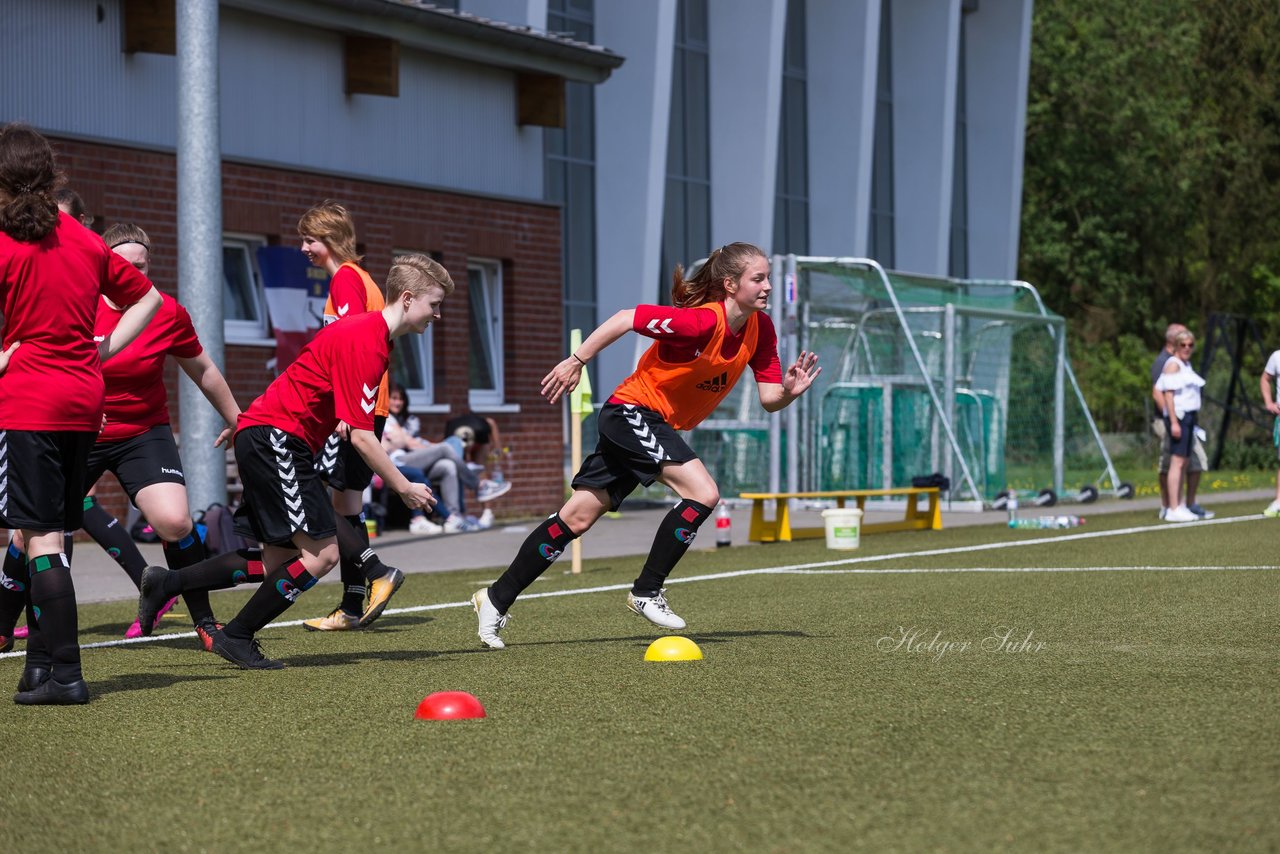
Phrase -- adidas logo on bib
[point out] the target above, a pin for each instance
(715, 384)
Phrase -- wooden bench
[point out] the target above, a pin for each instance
(780, 530)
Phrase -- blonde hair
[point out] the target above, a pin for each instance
(415, 273)
(120, 233)
(707, 285)
(331, 224)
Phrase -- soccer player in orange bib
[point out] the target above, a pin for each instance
(328, 235)
(714, 329)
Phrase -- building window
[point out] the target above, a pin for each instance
(571, 174)
(686, 221)
(791, 205)
(880, 241)
(958, 263)
(411, 362)
(244, 306)
(484, 284)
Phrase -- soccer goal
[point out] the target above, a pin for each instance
(967, 378)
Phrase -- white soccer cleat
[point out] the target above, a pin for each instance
(655, 609)
(491, 622)
(1180, 514)
(1273, 510)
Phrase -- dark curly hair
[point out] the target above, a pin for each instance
(29, 178)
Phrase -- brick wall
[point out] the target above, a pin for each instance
(121, 184)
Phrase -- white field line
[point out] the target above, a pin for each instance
(829, 567)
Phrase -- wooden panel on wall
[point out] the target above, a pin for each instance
(148, 26)
(373, 66)
(540, 100)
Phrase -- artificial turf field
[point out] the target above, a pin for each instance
(828, 714)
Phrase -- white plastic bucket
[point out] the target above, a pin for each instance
(844, 527)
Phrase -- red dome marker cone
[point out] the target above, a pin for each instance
(449, 706)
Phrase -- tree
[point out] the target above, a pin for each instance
(1152, 174)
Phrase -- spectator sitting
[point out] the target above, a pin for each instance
(439, 464)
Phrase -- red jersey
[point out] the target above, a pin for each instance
(353, 291)
(335, 378)
(683, 333)
(50, 290)
(696, 361)
(136, 397)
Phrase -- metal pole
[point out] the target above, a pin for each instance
(1059, 410)
(775, 418)
(200, 239)
(791, 287)
(949, 378)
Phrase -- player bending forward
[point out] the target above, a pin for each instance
(716, 329)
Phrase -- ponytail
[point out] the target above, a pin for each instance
(707, 285)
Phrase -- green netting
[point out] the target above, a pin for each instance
(875, 418)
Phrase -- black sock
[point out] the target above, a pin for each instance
(53, 601)
(675, 533)
(272, 598)
(107, 532)
(189, 551)
(539, 550)
(14, 581)
(351, 566)
(353, 544)
(219, 572)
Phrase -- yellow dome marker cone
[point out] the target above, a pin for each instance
(673, 648)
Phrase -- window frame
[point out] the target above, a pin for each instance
(255, 332)
(424, 399)
(487, 399)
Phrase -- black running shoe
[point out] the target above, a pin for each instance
(245, 654)
(151, 598)
(54, 693)
(33, 677)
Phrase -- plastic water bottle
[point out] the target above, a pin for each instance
(1012, 504)
(1047, 522)
(724, 527)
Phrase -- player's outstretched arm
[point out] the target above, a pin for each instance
(416, 496)
(132, 322)
(564, 377)
(205, 374)
(795, 382)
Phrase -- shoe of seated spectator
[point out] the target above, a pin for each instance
(491, 489)
(486, 519)
(424, 526)
(459, 524)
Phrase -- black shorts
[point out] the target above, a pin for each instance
(340, 464)
(137, 462)
(42, 478)
(1181, 446)
(634, 444)
(283, 493)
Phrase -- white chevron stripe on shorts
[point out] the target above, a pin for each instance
(4, 471)
(329, 455)
(288, 480)
(648, 440)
